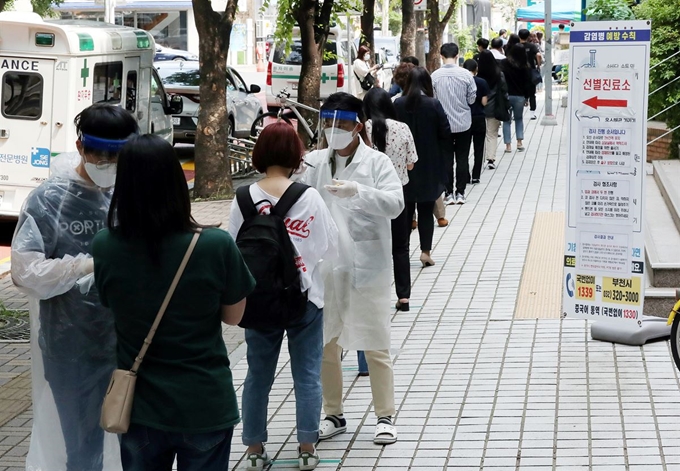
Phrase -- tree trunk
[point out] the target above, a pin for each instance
(367, 23)
(385, 17)
(420, 37)
(436, 32)
(211, 150)
(408, 29)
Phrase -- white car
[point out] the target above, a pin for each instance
(182, 78)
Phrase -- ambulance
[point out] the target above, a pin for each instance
(50, 70)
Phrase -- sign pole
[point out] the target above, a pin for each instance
(549, 118)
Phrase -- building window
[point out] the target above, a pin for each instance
(22, 95)
(107, 84)
(131, 91)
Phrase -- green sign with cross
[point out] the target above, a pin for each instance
(324, 78)
(85, 73)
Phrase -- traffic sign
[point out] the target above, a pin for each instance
(604, 246)
(419, 5)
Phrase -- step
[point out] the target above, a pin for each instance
(667, 176)
(662, 239)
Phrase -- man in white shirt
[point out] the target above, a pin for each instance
(497, 49)
(455, 88)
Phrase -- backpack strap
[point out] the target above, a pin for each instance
(245, 202)
(289, 198)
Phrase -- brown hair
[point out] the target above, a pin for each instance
(401, 74)
(278, 144)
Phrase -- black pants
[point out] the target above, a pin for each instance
(401, 230)
(425, 222)
(461, 151)
(532, 98)
(478, 131)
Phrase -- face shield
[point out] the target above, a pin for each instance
(103, 172)
(338, 128)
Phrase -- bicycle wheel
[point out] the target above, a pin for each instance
(259, 123)
(675, 341)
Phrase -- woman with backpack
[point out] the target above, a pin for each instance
(489, 69)
(184, 404)
(394, 139)
(278, 154)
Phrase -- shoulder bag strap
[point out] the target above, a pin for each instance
(289, 198)
(164, 306)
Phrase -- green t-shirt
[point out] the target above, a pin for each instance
(184, 383)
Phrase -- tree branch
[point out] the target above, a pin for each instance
(449, 13)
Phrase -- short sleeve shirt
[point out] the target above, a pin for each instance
(482, 90)
(400, 147)
(184, 384)
(532, 50)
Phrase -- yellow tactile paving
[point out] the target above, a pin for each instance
(540, 292)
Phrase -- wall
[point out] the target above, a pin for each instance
(660, 149)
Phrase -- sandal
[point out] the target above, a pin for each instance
(385, 434)
(330, 427)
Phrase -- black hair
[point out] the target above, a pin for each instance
(512, 40)
(346, 102)
(524, 34)
(470, 65)
(105, 121)
(411, 60)
(379, 108)
(517, 57)
(488, 68)
(483, 42)
(496, 43)
(151, 197)
(418, 82)
(449, 50)
(561, 26)
(502, 32)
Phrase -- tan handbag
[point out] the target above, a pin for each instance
(117, 406)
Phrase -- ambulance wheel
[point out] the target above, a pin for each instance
(261, 121)
(675, 341)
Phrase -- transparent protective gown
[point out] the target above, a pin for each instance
(72, 335)
(357, 283)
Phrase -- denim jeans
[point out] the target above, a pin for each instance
(78, 389)
(305, 347)
(144, 448)
(361, 360)
(517, 107)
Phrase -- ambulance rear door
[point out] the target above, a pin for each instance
(25, 128)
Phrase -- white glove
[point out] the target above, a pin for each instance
(85, 283)
(88, 266)
(342, 188)
(301, 169)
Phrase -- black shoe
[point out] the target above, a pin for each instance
(474, 181)
(402, 306)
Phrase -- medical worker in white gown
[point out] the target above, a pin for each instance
(72, 336)
(364, 193)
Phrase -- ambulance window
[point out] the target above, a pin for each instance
(107, 84)
(22, 95)
(157, 95)
(131, 91)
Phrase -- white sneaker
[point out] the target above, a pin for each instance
(257, 461)
(449, 200)
(490, 164)
(533, 116)
(307, 460)
(460, 198)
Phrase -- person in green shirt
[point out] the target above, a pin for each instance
(185, 404)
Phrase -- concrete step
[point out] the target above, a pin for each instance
(662, 238)
(667, 177)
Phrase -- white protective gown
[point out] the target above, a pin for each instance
(72, 336)
(357, 298)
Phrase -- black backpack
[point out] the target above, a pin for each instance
(265, 245)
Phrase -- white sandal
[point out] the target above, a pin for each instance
(385, 434)
(328, 429)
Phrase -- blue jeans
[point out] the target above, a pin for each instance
(78, 389)
(361, 359)
(517, 108)
(305, 346)
(148, 449)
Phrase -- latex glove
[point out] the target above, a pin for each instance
(342, 188)
(85, 283)
(301, 169)
(88, 266)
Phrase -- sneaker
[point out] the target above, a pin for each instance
(490, 164)
(474, 181)
(460, 198)
(307, 460)
(331, 426)
(449, 200)
(533, 116)
(257, 461)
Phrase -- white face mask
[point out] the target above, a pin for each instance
(367, 57)
(104, 177)
(338, 138)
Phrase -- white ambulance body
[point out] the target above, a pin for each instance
(49, 72)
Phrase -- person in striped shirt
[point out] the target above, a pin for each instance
(455, 89)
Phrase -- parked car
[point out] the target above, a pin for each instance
(182, 78)
(168, 54)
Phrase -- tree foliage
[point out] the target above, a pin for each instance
(41, 7)
(609, 10)
(665, 17)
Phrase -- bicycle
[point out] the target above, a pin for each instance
(287, 112)
(674, 322)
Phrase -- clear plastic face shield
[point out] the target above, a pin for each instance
(338, 128)
(103, 172)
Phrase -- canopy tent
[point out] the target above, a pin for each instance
(563, 11)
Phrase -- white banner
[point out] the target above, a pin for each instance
(604, 252)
